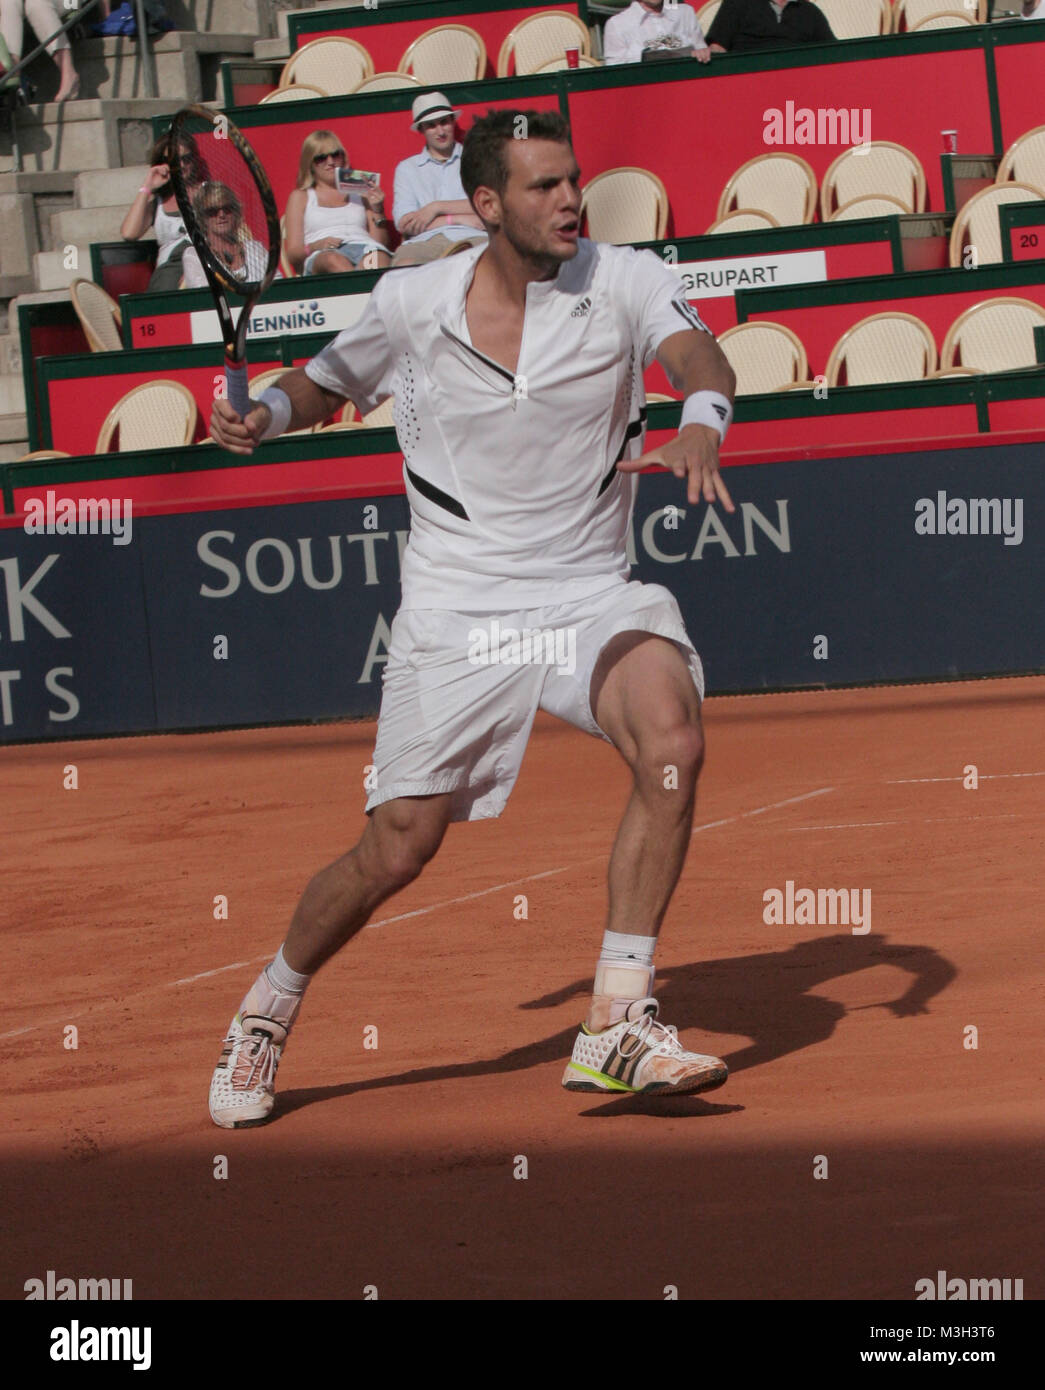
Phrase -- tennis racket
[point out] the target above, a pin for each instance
(226, 203)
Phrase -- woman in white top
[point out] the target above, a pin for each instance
(155, 206)
(43, 16)
(221, 215)
(323, 231)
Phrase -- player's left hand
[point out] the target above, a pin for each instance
(692, 454)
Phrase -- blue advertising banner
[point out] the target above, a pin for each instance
(848, 571)
(267, 614)
(913, 566)
(74, 642)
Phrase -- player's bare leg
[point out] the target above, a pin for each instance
(644, 699)
(401, 836)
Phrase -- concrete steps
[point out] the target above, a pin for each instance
(186, 65)
(84, 134)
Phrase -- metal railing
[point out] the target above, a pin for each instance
(10, 88)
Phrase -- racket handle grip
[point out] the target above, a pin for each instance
(238, 387)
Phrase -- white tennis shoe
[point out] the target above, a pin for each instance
(640, 1055)
(243, 1087)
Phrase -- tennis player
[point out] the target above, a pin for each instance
(517, 374)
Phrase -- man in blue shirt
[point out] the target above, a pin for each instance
(431, 211)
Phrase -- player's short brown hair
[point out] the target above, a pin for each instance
(484, 159)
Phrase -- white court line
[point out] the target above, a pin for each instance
(204, 974)
(917, 820)
(983, 777)
(847, 825)
(401, 917)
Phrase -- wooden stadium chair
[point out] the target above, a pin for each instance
(1024, 160)
(908, 14)
(882, 347)
(560, 64)
(158, 414)
(99, 316)
(943, 373)
(943, 19)
(655, 397)
(334, 64)
(881, 206)
(299, 91)
(996, 335)
(743, 220)
(765, 356)
(382, 417)
(624, 205)
(447, 53)
(780, 184)
(857, 19)
(539, 38)
(43, 454)
(706, 15)
(868, 171)
(977, 221)
(387, 82)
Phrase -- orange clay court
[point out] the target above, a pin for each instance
(396, 1167)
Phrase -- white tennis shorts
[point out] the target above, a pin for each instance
(461, 690)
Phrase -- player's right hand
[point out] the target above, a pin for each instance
(237, 435)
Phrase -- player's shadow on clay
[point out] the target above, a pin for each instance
(764, 997)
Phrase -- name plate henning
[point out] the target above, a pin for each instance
(327, 315)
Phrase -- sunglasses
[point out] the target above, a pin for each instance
(338, 156)
(229, 208)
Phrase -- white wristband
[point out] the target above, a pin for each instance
(278, 403)
(708, 408)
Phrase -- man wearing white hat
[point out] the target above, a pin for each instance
(431, 211)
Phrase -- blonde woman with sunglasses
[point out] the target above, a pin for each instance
(323, 232)
(220, 213)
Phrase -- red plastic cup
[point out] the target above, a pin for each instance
(573, 57)
(950, 141)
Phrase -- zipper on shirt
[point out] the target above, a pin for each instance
(494, 366)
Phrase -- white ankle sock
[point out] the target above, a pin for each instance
(619, 946)
(625, 968)
(282, 978)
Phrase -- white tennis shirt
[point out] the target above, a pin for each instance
(511, 478)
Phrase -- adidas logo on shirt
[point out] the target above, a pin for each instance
(582, 308)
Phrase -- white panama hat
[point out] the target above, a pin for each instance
(429, 105)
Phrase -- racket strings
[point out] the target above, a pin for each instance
(230, 212)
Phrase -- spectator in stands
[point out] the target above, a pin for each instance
(155, 206)
(325, 230)
(1033, 9)
(743, 25)
(45, 20)
(431, 210)
(652, 24)
(220, 213)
